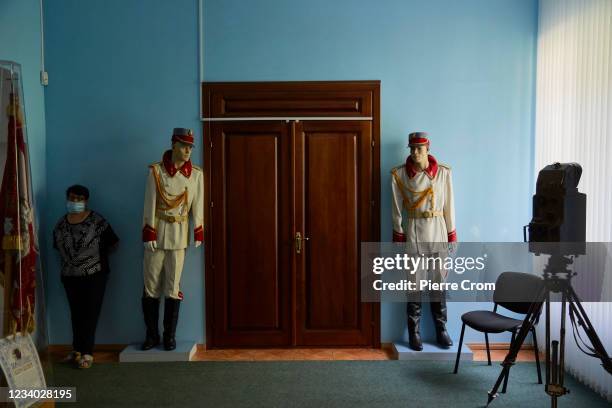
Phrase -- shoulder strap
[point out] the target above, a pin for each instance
(401, 186)
(170, 202)
(421, 195)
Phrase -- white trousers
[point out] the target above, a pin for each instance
(170, 261)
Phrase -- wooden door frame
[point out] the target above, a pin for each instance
(299, 88)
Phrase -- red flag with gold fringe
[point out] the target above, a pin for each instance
(18, 238)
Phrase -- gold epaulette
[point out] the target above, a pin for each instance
(153, 164)
(396, 168)
(446, 166)
(196, 167)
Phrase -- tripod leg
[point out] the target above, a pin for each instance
(561, 369)
(547, 353)
(537, 354)
(528, 322)
(514, 349)
(583, 320)
(554, 371)
(508, 373)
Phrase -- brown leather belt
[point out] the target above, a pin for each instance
(172, 218)
(424, 214)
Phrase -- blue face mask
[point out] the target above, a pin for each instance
(75, 207)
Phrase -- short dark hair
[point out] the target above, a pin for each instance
(78, 189)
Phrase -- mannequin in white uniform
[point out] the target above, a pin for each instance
(423, 216)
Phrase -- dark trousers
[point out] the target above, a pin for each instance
(85, 295)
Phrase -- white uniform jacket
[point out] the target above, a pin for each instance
(422, 206)
(170, 194)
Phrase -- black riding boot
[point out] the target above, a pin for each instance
(150, 310)
(438, 312)
(414, 334)
(171, 313)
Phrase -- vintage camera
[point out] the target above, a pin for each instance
(558, 226)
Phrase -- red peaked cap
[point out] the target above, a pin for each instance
(183, 135)
(418, 139)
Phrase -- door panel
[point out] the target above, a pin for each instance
(333, 210)
(251, 233)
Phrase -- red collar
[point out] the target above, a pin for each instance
(171, 169)
(431, 170)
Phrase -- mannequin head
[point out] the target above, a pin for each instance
(181, 152)
(182, 144)
(419, 149)
(419, 155)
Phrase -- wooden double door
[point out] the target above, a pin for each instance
(289, 202)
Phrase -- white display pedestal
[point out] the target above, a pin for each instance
(431, 351)
(133, 354)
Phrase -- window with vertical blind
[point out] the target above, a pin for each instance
(574, 124)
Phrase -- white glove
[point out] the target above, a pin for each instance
(452, 247)
(197, 244)
(150, 246)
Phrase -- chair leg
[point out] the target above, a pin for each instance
(508, 373)
(488, 349)
(537, 354)
(459, 349)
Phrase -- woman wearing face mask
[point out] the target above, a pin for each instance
(83, 239)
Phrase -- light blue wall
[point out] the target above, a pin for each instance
(124, 73)
(462, 70)
(20, 42)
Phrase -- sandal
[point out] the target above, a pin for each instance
(86, 361)
(72, 357)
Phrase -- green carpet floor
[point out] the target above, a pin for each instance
(309, 384)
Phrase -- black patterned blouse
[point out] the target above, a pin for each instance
(84, 246)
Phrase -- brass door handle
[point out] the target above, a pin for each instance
(298, 242)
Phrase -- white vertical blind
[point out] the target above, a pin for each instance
(574, 124)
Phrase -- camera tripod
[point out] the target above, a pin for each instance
(557, 279)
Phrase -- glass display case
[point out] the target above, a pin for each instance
(21, 289)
